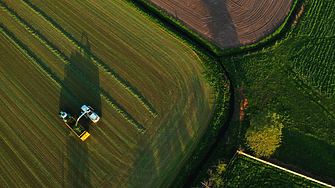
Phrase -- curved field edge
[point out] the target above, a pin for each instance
(281, 31)
(215, 75)
(308, 141)
(141, 5)
(22, 47)
(278, 34)
(213, 49)
(220, 116)
(195, 41)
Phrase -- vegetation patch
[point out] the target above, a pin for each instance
(247, 172)
(276, 78)
(263, 136)
(71, 63)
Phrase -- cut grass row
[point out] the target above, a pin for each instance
(146, 161)
(42, 68)
(94, 59)
(36, 148)
(104, 95)
(214, 75)
(113, 51)
(31, 117)
(23, 106)
(52, 77)
(107, 83)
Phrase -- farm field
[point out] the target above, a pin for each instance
(247, 172)
(294, 77)
(145, 84)
(229, 23)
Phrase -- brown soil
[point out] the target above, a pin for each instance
(228, 23)
(242, 102)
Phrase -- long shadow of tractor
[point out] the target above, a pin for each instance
(76, 99)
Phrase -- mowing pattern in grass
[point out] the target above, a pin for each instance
(95, 59)
(247, 172)
(276, 78)
(70, 61)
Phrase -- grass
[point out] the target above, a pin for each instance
(150, 62)
(295, 78)
(247, 172)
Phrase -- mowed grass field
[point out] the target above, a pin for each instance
(145, 84)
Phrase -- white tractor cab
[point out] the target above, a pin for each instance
(88, 112)
(65, 116)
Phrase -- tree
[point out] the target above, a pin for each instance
(216, 178)
(263, 136)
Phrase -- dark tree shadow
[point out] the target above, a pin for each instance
(168, 148)
(220, 24)
(75, 92)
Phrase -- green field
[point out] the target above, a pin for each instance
(295, 77)
(145, 84)
(247, 172)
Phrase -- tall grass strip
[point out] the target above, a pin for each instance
(35, 60)
(65, 60)
(102, 66)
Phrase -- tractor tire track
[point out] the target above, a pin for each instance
(102, 66)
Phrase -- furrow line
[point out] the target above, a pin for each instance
(63, 57)
(100, 64)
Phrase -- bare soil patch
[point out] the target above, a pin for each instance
(228, 23)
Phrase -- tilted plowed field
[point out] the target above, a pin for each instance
(229, 23)
(146, 86)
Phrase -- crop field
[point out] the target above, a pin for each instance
(146, 85)
(247, 172)
(229, 23)
(295, 78)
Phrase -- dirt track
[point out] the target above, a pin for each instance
(228, 23)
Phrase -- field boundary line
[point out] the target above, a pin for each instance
(63, 57)
(102, 66)
(284, 169)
